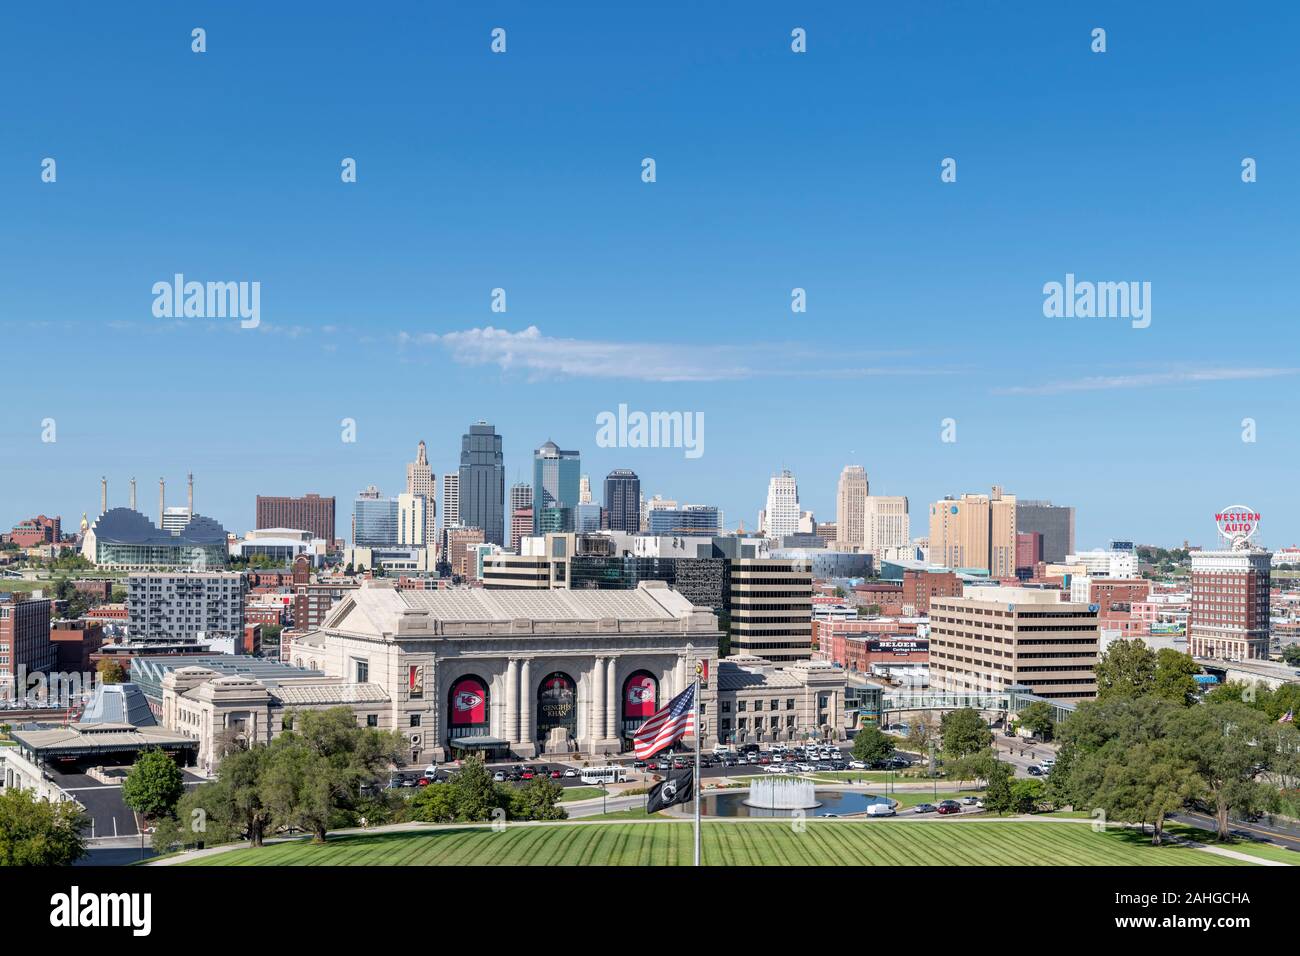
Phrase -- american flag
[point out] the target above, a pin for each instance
(667, 726)
(1287, 718)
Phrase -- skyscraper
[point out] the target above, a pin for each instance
(308, 513)
(975, 531)
(850, 508)
(521, 496)
(584, 490)
(781, 516)
(483, 482)
(420, 481)
(555, 488)
(450, 499)
(1054, 522)
(412, 520)
(374, 520)
(885, 523)
(623, 500)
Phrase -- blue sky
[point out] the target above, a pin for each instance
(774, 171)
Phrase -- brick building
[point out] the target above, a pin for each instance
(920, 586)
(309, 513)
(25, 637)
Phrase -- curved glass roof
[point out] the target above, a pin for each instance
(124, 526)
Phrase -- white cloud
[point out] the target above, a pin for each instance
(1147, 380)
(539, 356)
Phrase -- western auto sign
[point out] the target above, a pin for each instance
(1237, 522)
(468, 702)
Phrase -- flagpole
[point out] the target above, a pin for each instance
(699, 736)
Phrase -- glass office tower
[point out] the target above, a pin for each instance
(556, 475)
(483, 482)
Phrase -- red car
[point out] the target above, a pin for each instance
(556, 775)
(423, 782)
(949, 806)
(527, 775)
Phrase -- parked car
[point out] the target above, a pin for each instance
(639, 765)
(949, 806)
(968, 801)
(423, 782)
(556, 774)
(570, 772)
(1034, 770)
(528, 774)
(923, 808)
(859, 765)
(499, 776)
(880, 810)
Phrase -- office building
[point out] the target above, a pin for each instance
(584, 490)
(482, 488)
(521, 496)
(782, 514)
(587, 517)
(623, 500)
(457, 555)
(922, 586)
(555, 488)
(850, 509)
(412, 520)
(1029, 552)
(422, 483)
(771, 609)
(886, 525)
(1054, 522)
(1230, 604)
(451, 499)
(975, 532)
(182, 606)
(374, 520)
(521, 526)
(37, 531)
(311, 513)
(995, 638)
(688, 520)
(25, 646)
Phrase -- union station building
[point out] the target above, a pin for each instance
(521, 673)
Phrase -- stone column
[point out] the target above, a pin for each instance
(613, 697)
(512, 700)
(596, 721)
(526, 734)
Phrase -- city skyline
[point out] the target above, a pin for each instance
(924, 298)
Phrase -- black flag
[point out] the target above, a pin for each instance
(678, 788)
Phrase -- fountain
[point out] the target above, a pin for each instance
(782, 793)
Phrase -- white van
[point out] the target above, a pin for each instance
(596, 775)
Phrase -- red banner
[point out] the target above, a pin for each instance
(469, 702)
(640, 695)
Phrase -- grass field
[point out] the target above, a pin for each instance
(733, 844)
(579, 793)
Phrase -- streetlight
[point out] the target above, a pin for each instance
(604, 793)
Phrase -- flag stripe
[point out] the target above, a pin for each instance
(666, 726)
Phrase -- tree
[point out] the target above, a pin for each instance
(977, 766)
(964, 733)
(39, 833)
(920, 730)
(111, 671)
(1026, 795)
(118, 595)
(320, 767)
(474, 793)
(1174, 677)
(1291, 654)
(1127, 669)
(154, 784)
(433, 804)
(1037, 716)
(1224, 745)
(998, 795)
(538, 799)
(872, 745)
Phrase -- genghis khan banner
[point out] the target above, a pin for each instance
(557, 705)
(468, 707)
(640, 700)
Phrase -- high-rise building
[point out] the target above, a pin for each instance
(412, 520)
(421, 481)
(460, 542)
(885, 523)
(450, 499)
(521, 496)
(994, 638)
(521, 526)
(920, 587)
(483, 482)
(771, 609)
(25, 644)
(658, 501)
(584, 490)
(185, 605)
(1029, 551)
(622, 500)
(311, 513)
(1229, 616)
(976, 532)
(687, 520)
(1054, 522)
(850, 508)
(782, 514)
(555, 488)
(374, 520)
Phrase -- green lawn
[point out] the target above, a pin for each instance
(1265, 851)
(877, 843)
(579, 793)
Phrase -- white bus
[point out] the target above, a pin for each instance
(595, 775)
